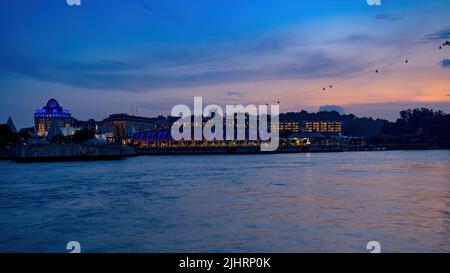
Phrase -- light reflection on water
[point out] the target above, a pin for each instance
(333, 202)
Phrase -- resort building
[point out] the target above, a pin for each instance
(293, 127)
(52, 113)
(329, 127)
(53, 118)
(124, 125)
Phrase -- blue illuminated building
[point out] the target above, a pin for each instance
(119, 126)
(51, 113)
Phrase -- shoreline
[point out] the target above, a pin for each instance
(62, 153)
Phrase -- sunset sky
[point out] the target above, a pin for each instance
(106, 57)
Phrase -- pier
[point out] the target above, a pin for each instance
(66, 152)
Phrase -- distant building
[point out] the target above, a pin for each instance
(293, 127)
(53, 118)
(52, 113)
(90, 125)
(329, 127)
(124, 125)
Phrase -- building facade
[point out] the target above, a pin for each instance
(293, 127)
(53, 118)
(124, 125)
(52, 113)
(328, 127)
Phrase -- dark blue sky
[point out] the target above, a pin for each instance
(110, 56)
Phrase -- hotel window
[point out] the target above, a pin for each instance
(41, 127)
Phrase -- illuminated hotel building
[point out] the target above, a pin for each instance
(293, 127)
(117, 125)
(332, 127)
(51, 113)
(123, 125)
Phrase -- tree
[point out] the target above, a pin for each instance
(422, 124)
(7, 137)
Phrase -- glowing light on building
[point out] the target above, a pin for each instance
(51, 113)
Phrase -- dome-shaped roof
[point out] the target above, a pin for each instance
(52, 103)
(52, 109)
